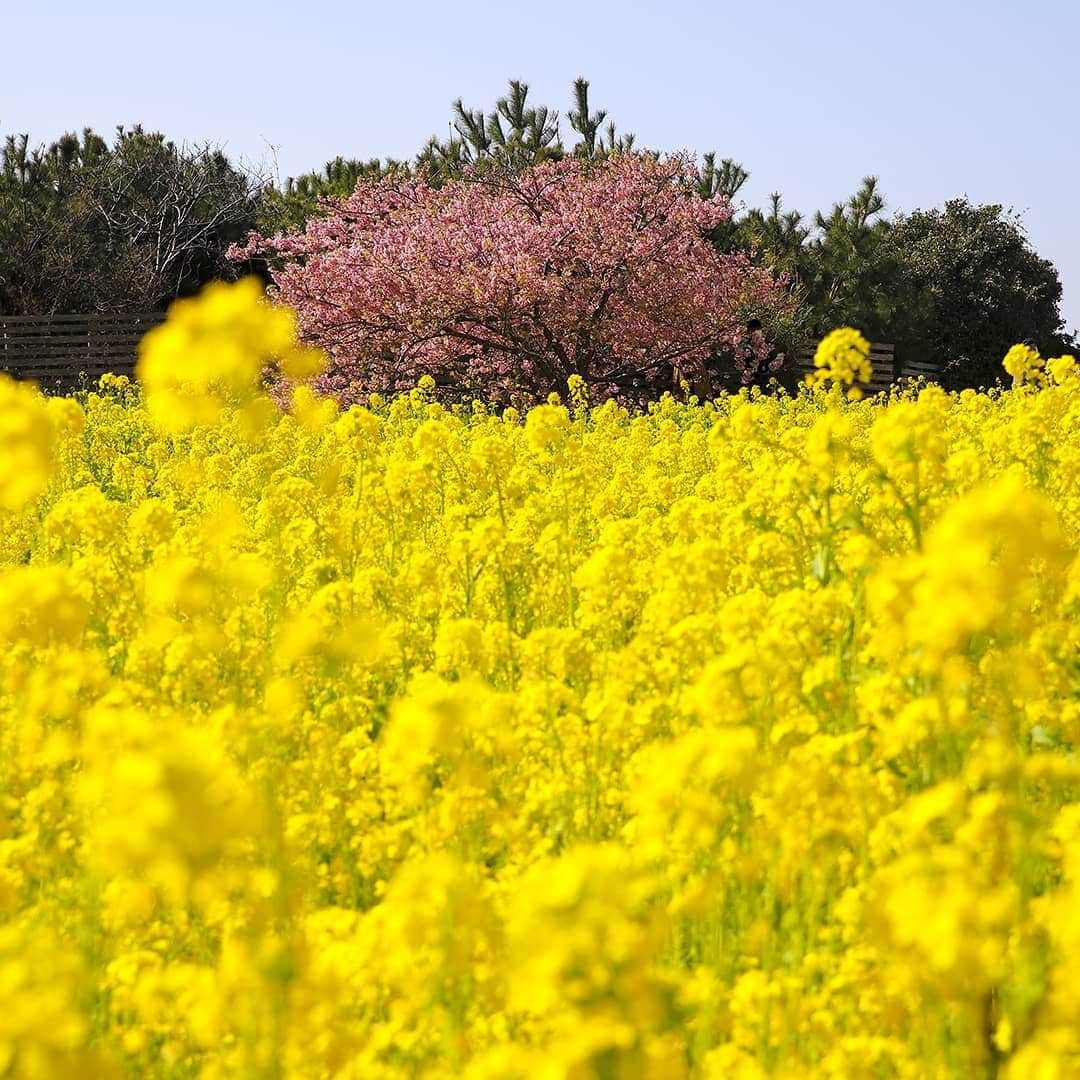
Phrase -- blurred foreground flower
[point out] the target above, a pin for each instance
(212, 351)
(27, 443)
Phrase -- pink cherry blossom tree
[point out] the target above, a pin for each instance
(504, 282)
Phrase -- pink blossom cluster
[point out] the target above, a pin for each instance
(514, 282)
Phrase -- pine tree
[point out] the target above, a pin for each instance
(585, 124)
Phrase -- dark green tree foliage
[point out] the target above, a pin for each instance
(592, 143)
(586, 124)
(516, 135)
(837, 266)
(511, 137)
(291, 206)
(727, 178)
(956, 287)
(971, 287)
(779, 240)
(848, 279)
(85, 226)
(48, 231)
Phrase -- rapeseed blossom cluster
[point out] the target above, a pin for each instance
(1025, 365)
(726, 740)
(842, 356)
(213, 351)
(32, 432)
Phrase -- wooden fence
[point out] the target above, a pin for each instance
(886, 369)
(63, 352)
(882, 361)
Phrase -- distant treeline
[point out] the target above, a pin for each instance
(88, 225)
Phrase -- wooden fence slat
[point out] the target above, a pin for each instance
(83, 335)
(72, 332)
(884, 369)
(23, 357)
(63, 350)
(61, 368)
(69, 373)
(75, 350)
(42, 330)
(66, 363)
(79, 349)
(149, 317)
(71, 345)
(76, 330)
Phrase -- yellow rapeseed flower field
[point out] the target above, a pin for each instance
(727, 740)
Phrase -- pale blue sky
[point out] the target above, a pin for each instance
(975, 97)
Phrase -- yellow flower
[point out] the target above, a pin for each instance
(1025, 365)
(843, 357)
(212, 351)
(43, 1029)
(1063, 371)
(416, 740)
(27, 443)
